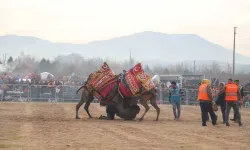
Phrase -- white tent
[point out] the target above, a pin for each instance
(156, 79)
(24, 80)
(2, 68)
(47, 76)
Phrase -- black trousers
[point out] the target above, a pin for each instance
(223, 111)
(206, 107)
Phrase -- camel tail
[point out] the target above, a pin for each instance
(79, 89)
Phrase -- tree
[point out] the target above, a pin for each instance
(166, 71)
(44, 65)
(148, 70)
(215, 68)
(10, 60)
(24, 65)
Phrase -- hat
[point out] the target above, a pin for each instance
(205, 81)
(236, 80)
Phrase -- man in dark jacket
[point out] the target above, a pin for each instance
(221, 102)
(237, 82)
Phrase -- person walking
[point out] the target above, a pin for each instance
(232, 94)
(221, 102)
(205, 98)
(175, 100)
(237, 82)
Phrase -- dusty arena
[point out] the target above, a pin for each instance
(52, 126)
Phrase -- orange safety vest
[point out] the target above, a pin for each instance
(203, 95)
(231, 92)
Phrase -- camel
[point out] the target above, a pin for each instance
(88, 97)
(129, 100)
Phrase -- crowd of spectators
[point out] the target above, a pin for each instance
(62, 88)
(11, 88)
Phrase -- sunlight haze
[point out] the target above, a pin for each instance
(83, 21)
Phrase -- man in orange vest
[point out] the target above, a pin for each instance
(232, 94)
(205, 98)
(207, 116)
(237, 82)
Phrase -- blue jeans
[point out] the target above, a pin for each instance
(176, 104)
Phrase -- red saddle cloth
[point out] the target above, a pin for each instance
(103, 93)
(130, 85)
(134, 80)
(103, 82)
(124, 91)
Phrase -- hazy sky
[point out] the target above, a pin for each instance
(81, 21)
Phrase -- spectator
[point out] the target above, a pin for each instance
(221, 101)
(175, 100)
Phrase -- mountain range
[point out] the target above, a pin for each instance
(149, 47)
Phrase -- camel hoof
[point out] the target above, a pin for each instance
(90, 118)
(141, 119)
(77, 118)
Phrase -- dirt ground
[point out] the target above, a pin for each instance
(52, 126)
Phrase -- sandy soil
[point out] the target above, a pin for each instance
(52, 126)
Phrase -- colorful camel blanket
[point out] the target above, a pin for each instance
(134, 80)
(146, 81)
(143, 77)
(102, 81)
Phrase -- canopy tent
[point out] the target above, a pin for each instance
(156, 79)
(24, 80)
(2, 68)
(74, 77)
(47, 76)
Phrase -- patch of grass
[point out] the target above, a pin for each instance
(4, 146)
(16, 137)
(12, 132)
(10, 145)
(13, 135)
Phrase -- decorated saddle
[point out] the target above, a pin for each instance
(102, 82)
(135, 81)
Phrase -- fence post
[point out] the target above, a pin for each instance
(161, 94)
(29, 90)
(186, 96)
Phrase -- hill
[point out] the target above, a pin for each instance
(150, 47)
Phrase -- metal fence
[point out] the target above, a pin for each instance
(186, 96)
(14, 92)
(66, 93)
(25, 92)
(189, 96)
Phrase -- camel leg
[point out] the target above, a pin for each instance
(78, 106)
(144, 103)
(86, 107)
(154, 104)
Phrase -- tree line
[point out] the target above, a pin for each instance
(64, 65)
